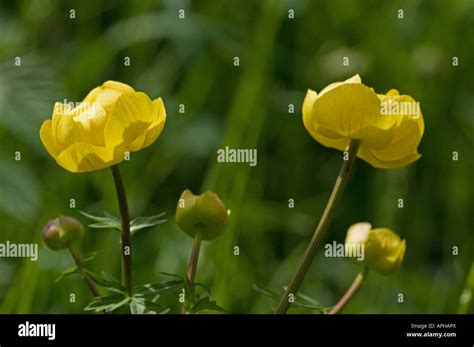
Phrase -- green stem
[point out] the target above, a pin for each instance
(125, 236)
(193, 260)
(321, 229)
(80, 269)
(350, 292)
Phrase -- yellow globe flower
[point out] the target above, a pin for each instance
(113, 119)
(389, 126)
(383, 249)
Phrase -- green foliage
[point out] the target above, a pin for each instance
(301, 303)
(109, 221)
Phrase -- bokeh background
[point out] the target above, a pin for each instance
(191, 61)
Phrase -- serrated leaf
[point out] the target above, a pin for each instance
(67, 272)
(140, 223)
(109, 222)
(107, 303)
(206, 304)
(157, 287)
(107, 281)
(137, 305)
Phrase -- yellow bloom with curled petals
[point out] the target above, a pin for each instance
(112, 120)
(389, 126)
(383, 249)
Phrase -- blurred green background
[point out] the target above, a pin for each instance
(191, 61)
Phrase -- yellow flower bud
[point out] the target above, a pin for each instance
(389, 126)
(383, 249)
(112, 120)
(60, 232)
(204, 212)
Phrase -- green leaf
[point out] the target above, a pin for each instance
(203, 286)
(157, 287)
(206, 304)
(308, 299)
(67, 272)
(267, 292)
(137, 305)
(173, 275)
(108, 303)
(311, 307)
(90, 257)
(107, 281)
(108, 222)
(140, 223)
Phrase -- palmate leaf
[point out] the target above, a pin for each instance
(137, 305)
(107, 281)
(140, 223)
(158, 287)
(206, 304)
(109, 221)
(108, 303)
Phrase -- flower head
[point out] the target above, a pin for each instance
(383, 249)
(204, 212)
(60, 232)
(389, 126)
(113, 119)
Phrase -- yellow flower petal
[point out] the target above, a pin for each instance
(158, 123)
(347, 109)
(353, 80)
(129, 119)
(64, 130)
(107, 92)
(380, 162)
(84, 157)
(48, 140)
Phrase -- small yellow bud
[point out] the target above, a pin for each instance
(383, 249)
(58, 233)
(204, 212)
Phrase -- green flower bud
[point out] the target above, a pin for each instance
(383, 249)
(60, 232)
(204, 212)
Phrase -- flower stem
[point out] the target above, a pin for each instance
(80, 269)
(125, 236)
(321, 229)
(193, 260)
(350, 292)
